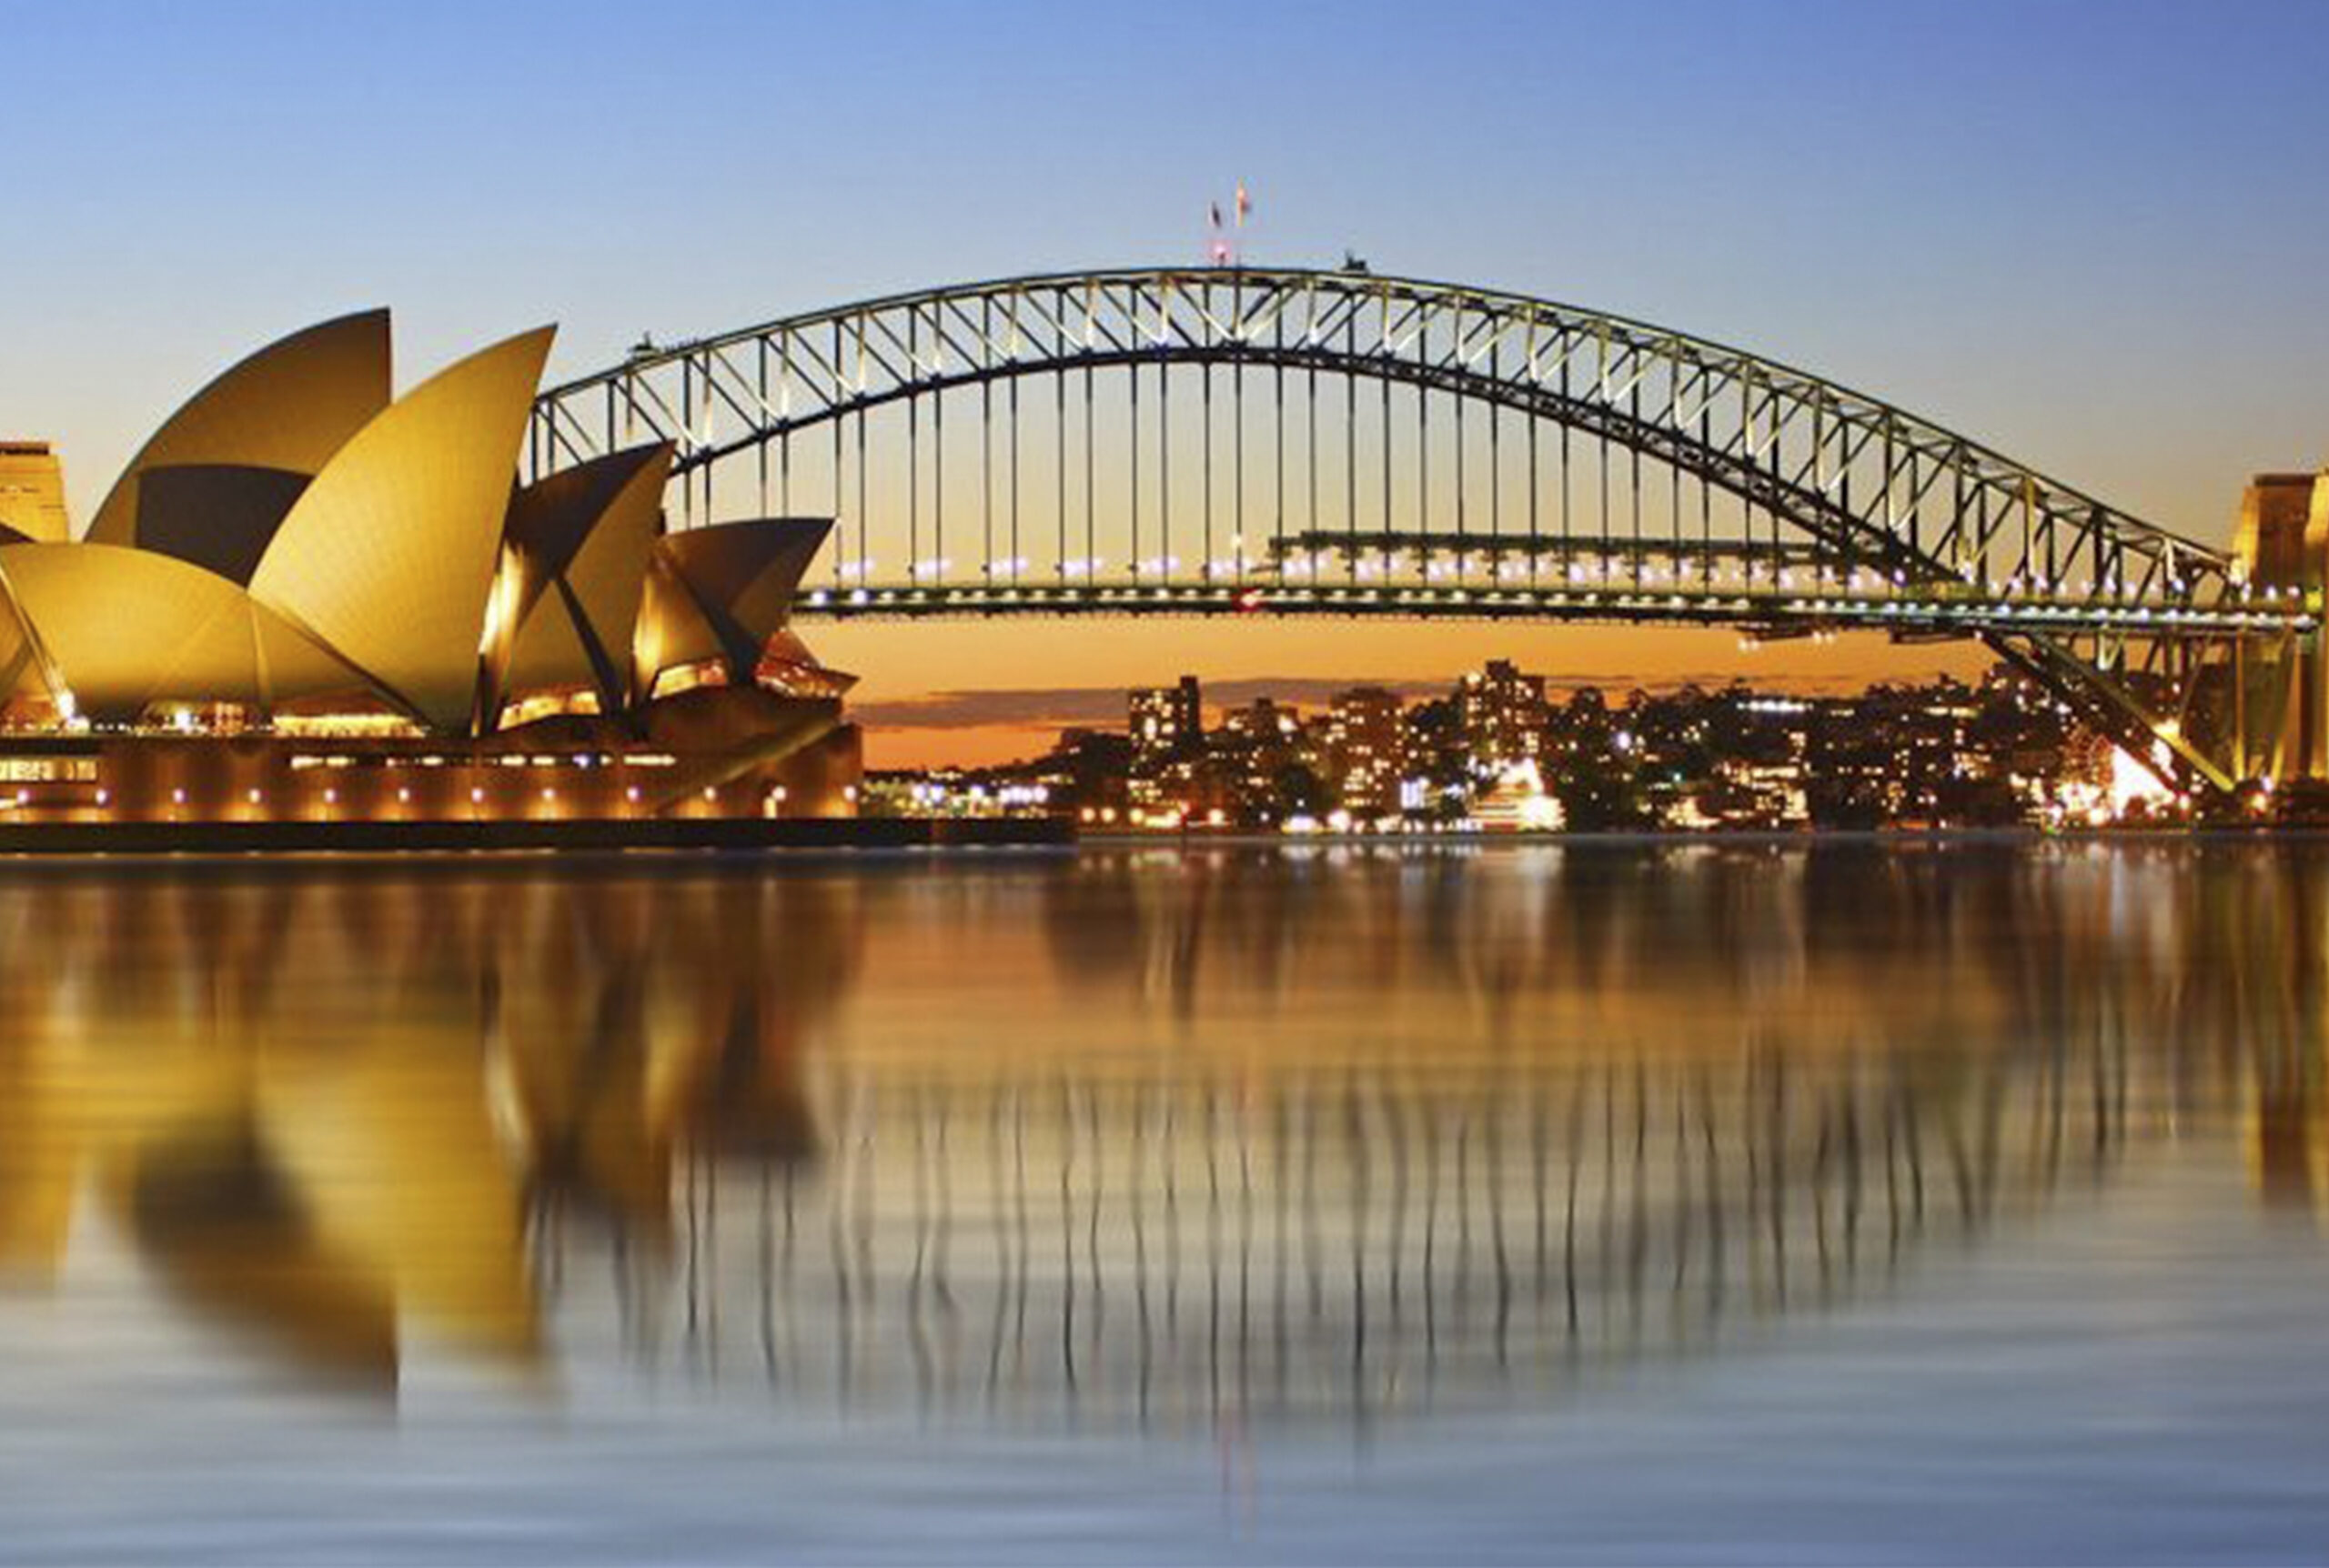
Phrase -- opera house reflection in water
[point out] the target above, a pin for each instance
(1173, 1144)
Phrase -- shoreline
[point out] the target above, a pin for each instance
(875, 834)
(1756, 837)
(886, 836)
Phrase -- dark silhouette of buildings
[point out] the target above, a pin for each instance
(1502, 750)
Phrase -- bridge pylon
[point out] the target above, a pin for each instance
(2281, 718)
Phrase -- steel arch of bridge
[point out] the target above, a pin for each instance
(1848, 512)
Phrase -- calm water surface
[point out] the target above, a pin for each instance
(1617, 1203)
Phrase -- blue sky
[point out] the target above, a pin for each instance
(2094, 235)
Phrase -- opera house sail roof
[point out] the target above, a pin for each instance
(390, 554)
(253, 438)
(297, 543)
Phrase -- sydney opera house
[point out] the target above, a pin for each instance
(309, 600)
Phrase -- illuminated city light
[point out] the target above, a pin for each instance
(2134, 787)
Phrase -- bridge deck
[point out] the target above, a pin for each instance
(1908, 611)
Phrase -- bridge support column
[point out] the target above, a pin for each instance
(2282, 542)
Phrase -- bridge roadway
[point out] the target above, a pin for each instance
(1913, 611)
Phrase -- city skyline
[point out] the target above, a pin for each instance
(1502, 748)
(1953, 288)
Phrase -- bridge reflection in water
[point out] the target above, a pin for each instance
(1230, 1138)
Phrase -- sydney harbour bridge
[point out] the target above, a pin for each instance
(1293, 443)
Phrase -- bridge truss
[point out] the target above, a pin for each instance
(1302, 443)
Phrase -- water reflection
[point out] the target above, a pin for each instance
(1158, 1141)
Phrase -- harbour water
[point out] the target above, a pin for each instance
(1647, 1203)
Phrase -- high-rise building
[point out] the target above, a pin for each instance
(1167, 725)
(1363, 731)
(1258, 755)
(1165, 720)
(32, 493)
(1501, 713)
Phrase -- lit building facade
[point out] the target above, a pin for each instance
(1260, 755)
(1167, 728)
(1166, 721)
(1501, 713)
(308, 599)
(32, 493)
(1364, 731)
